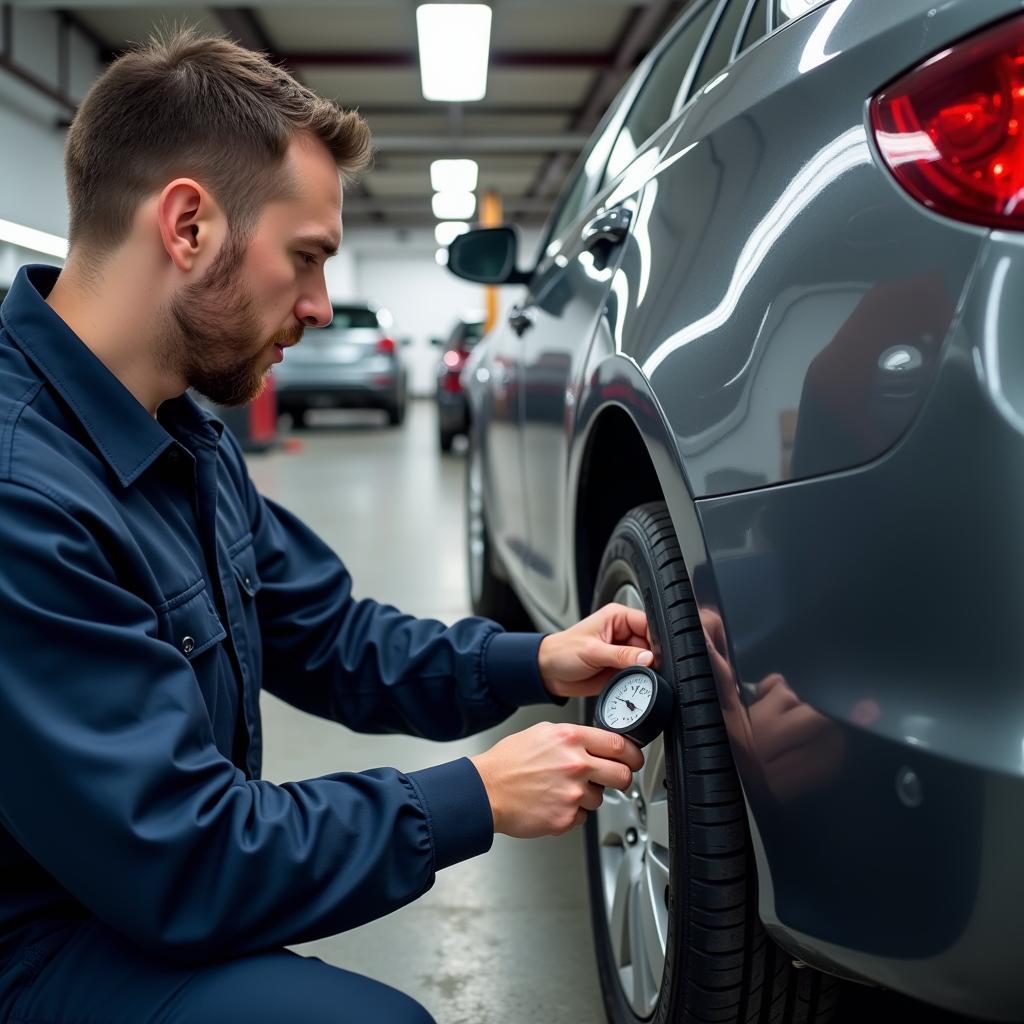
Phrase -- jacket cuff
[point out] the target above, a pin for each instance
(512, 669)
(458, 811)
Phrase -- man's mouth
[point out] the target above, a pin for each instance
(285, 340)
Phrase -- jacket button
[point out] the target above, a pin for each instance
(188, 645)
(248, 582)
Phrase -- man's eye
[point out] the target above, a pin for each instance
(308, 259)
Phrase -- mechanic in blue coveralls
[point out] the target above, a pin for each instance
(147, 592)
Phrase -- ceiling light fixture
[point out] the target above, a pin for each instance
(454, 175)
(30, 238)
(455, 42)
(453, 205)
(448, 230)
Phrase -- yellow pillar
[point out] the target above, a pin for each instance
(491, 216)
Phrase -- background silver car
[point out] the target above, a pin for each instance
(766, 382)
(352, 363)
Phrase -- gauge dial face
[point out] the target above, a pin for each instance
(627, 700)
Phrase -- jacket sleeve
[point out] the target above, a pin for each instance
(115, 786)
(366, 664)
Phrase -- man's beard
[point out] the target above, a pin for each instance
(212, 332)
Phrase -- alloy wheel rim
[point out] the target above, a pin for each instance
(633, 849)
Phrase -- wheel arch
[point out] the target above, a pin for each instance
(623, 455)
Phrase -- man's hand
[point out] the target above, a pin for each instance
(580, 660)
(542, 781)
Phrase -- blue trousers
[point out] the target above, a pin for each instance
(96, 977)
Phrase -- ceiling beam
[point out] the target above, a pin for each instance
(470, 144)
(374, 109)
(410, 59)
(244, 26)
(507, 5)
(406, 205)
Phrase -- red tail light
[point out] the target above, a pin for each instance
(452, 363)
(951, 129)
(386, 345)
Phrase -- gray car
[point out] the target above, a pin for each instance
(766, 381)
(352, 363)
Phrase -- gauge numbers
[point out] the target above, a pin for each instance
(627, 700)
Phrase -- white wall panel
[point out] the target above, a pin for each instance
(31, 143)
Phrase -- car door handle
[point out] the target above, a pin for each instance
(521, 318)
(612, 226)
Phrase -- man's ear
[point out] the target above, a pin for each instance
(188, 218)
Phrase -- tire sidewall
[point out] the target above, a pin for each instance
(628, 558)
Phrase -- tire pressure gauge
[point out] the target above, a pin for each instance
(635, 702)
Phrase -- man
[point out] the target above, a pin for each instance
(147, 592)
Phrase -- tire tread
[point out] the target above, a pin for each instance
(728, 969)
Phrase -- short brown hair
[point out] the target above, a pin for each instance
(201, 106)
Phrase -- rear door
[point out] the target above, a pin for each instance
(577, 289)
(499, 394)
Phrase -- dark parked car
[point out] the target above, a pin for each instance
(766, 382)
(352, 363)
(452, 412)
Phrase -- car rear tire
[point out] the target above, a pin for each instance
(396, 413)
(445, 438)
(396, 409)
(489, 594)
(671, 873)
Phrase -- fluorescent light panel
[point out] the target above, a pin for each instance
(453, 205)
(30, 238)
(455, 42)
(448, 230)
(454, 175)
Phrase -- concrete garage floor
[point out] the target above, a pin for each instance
(505, 937)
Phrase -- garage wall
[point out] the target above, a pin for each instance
(31, 137)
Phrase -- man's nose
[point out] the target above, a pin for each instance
(314, 310)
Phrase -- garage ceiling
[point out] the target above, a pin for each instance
(555, 65)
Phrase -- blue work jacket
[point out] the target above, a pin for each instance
(147, 592)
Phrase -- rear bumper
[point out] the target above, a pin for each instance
(887, 794)
(452, 411)
(337, 394)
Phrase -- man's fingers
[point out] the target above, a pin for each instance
(611, 746)
(593, 798)
(623, 621)
(616, 656)
(627, 656)
(611, 773)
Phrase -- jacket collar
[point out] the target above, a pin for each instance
(127, 437)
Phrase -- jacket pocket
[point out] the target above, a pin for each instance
(243, 562)
(190, 622)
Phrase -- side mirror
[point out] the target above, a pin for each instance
(487, 256)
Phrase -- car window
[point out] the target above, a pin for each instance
(654, 102)
(571, 205)
(757, 26)
(467, 335)
(719, 50)
(346, 317)
(473, 332)
(787, 9)
(584, 175)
